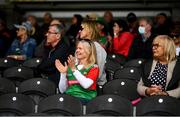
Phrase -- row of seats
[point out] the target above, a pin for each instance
(104, 105)
(41, 88)
(124, 82)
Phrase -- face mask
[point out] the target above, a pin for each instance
(141, 30)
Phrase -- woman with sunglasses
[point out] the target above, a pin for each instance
(78, 78)
(161, 75)
(90, 32)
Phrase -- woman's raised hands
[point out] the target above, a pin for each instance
(60, 67)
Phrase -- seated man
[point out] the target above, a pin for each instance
(54, 48)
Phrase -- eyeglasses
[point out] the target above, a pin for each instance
(81, 28)
(51, 32)
(20, 29)
(156, 45)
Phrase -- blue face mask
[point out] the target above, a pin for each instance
(141, 29)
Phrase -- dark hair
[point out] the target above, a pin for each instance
(162, 14)
(79, 18)
(131, 17)
(123, 24)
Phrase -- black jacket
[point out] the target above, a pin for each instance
(47, 66)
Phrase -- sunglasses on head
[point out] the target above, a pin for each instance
(85, 40)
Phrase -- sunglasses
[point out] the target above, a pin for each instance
(81, 28)
(85, 40)
(156, 45)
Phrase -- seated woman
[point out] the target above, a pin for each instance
(78, 78)
(23, 47)
(121, 43)
(161, 75)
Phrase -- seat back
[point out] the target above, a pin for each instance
(18, 74)
(37, 88)
(7, 63)
(113, 62)
(60, 104)
(134, 62)
(123, 87)
(158, 106)
(33, 64)
(6, 86)
(16, 104)
(132, 73)
(109, 105)
(117, 58)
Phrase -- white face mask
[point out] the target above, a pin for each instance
(141, 30)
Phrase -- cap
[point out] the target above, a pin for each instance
(26, 25)
(92, 16)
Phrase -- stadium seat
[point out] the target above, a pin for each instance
(158, 106)
(123, 87)
(18, 74)
(61, 104)
(16, 105)
(132, 73)
(109, 105)
(37, 88)
(7, 63)
(113, 62)
(33, 64)
(6, 86)
(134, 62)
(117, 58)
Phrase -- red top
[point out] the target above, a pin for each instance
(122, 44)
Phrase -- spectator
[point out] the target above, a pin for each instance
(109, 21)
(47, 18)
(102, 32)
(54, 48)
(73, 31)
(142, 44)
(132, 23)
(35, 28)
(79, 79)
(89, 31)
(23, 46)
(122, 40)
(161, 74)
(162, 24)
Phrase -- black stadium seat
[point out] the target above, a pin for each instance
(132, 73)
(16, 104)
(18, 74)
(7, 86)
(109, 105)
(37, 88)
(61, 105)
(7, 63)
(134, 63)
(158, 106)
(123, 87)
(113, 62)
(33, 64)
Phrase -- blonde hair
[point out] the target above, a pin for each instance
(169, 47)
(90, 49)
(91, 26)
